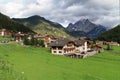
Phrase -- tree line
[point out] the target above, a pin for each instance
(33, 41)
(111, 35)
(9, 24)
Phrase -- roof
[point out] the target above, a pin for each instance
(59, 42)
(97, 46)
(62, 42)
(20, 35)
(79, 42)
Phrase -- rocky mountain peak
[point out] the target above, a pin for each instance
(83, 21)
(82, 25)
(86, 26)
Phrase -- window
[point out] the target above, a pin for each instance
(54, 51)
(60, 51)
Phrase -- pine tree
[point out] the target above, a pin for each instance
(32, 41)
(26, 41)
(108, 47)
(41, 43)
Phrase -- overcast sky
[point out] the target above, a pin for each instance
(104, 12)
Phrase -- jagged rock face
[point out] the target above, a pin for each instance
(82, 25)
(92, 30)
(70, 27)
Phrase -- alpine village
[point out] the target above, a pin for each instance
(81, 41)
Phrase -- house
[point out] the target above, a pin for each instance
(66, 46)
(4, 32)
(110, 43)
(113, 43)
(19, 37)
(46, 38)
(98, 48)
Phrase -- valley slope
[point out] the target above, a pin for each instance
(43, 26)
(111, 35)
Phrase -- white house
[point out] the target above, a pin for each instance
(4, 32)
(66, 46)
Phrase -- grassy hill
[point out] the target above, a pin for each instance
(40, 64)
(111, 35)
(43, 26)
(9, 24)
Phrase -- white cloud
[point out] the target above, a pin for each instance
(11, 8)
(103, 12)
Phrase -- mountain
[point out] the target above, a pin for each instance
(76, 34)
(111, 35)
(9, 24)
(96, 31)
(85, 26)
(82, 25)
(41, 25)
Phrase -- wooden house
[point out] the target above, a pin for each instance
(46, 38)
(113, 43)
(98, 48)
(4, 32)
(19, 37)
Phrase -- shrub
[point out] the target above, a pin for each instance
(108, 47)
(41, 43)
(26, 41)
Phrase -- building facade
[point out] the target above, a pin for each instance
(4, 32)
(65, 46)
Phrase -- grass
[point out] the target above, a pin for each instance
(40, 64)
(7, 72)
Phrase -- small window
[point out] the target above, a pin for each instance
(54, 51)
(60, 51)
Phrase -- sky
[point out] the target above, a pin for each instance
(104, 12)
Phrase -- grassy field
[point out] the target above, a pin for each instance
(40, 64)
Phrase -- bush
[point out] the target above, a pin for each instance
(41, 43)
(26, 41)
(108, 47)
(33, 42)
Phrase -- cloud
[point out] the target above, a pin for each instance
(11, 8)
(105, 12)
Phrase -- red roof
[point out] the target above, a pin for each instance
(97, 46)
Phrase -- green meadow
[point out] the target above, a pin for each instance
(40, 64)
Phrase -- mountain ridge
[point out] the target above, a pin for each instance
(90, 29)
(9, 24)
(111, 35)
(83, 27)
(41, 25)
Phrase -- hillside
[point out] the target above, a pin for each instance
(95, 32)
(9, 24)
(90, 29)
(111, 35)
(77, 34)
(40, 64)
(43, 26)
